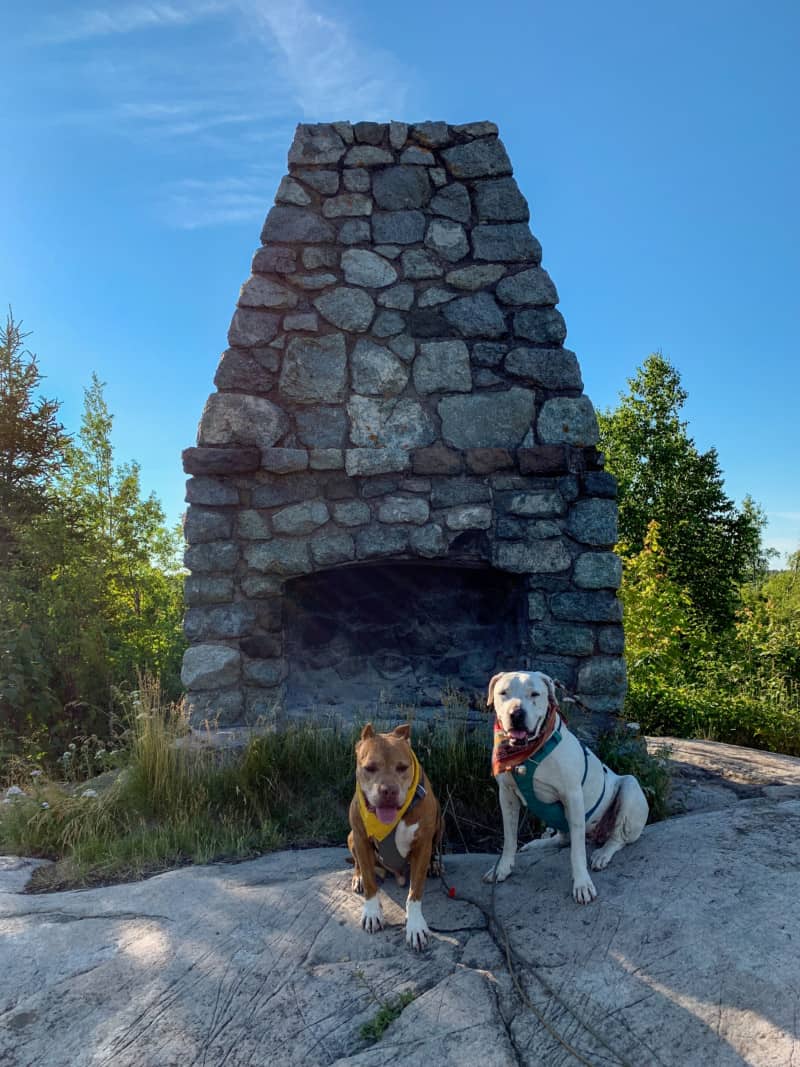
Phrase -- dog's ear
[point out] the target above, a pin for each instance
(492, 684)
(403, 731)
(367, 732)
(551, 688)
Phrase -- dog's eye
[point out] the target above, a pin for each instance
(402, 768)
(534, 695)
(371, 768)
(503, 692)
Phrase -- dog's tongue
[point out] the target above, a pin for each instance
(386, 815)
(518, 735)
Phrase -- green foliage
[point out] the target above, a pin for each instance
(31, 438)
(625, 752)
(90, 589)
(711, 545)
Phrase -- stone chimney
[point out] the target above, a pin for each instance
(396, 485)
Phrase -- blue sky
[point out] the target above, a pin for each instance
(658, 146)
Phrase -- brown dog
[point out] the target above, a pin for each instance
(395, 824)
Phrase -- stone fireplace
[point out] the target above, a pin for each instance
(396, 486)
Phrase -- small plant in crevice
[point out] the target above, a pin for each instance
(389, 1009)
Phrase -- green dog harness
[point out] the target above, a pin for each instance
(552, 815)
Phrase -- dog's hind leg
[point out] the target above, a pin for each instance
(631, 820)
(558, 839)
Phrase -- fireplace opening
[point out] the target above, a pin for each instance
(398, 633)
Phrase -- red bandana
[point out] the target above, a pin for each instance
(506, 755)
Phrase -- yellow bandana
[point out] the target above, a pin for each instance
(372, 824)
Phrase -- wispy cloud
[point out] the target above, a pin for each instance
(332, 74)
(105, 22)
(193, 203)
(222, 97)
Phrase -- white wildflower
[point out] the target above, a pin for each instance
(45, 804)
(35, 774)
(89, 793)
(15, 791)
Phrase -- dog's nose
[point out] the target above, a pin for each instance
(386, 790)
(518, 719)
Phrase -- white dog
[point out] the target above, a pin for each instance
(538, 762)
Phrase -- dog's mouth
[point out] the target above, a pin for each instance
(387, 813)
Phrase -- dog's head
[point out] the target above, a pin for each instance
(385, 769)
(521, 700)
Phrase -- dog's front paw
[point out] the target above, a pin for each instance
(501, 870)
(584, 890)
(416, 928)
(372, 916)
(436, 868)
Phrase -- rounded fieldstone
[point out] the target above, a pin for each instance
(595, 606)
(284, 460)
(324, 181)
(552, 368)
(370, 461)
(491, 420)
(603, 675)
(291, 192)
(261, 292)
(568, 420)
(279, 556)
(476, 316)
(207, 589)
(239, 419)
(362, 267)
(206, 524)
(301, 518)
(398, 227)
(536, 557)
(388, 324)
(533, 287)
(598, 570)
(594, 522)
(433, 296)
(253, 525)
(377, 371)
(314, 368)
(544, 326)
(442, 367)
(351, 512)
(469, 517)
(210, 667)
(428, 541)
(478, 277)
(447, 239)
(330, 548)
(294, 225)
(354, 232)
(211, 556)
(401, 187)
(395, 425)
(404, 509)
(349, 309)
(500, 201)
(477, 159)
(400, 297)
(509, 242)
(538, 504)
(420, 264)
(222, 622)
(321, 427)
(563, 640)
(365, 155)
(453, 201)
(211, 491)
(250, 328)
(346, 205)
(319, 143)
